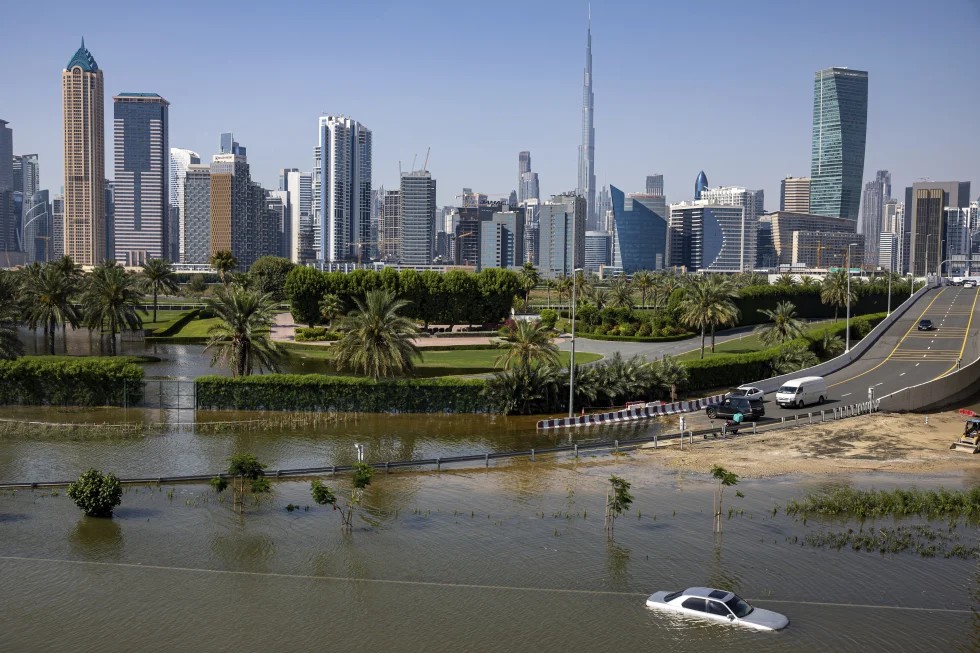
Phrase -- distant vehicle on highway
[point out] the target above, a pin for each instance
(800, 392)
(748, 391)
(926, 325)
(969, 283)
(751, 409)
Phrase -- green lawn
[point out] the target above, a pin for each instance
(197, 328)
(164, 319)
(747, 344)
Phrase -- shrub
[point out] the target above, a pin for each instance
(644, 330)
(319, 392)
(549, 317)
(97, 494)
(627, 330)
(316, 334)
(79, 382)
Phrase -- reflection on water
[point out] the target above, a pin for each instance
(95, 538)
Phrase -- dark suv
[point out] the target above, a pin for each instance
(751, 409)
(926, 325)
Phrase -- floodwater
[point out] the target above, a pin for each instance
(513, 558)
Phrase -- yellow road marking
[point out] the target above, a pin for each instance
(899, 344)
(965, 336)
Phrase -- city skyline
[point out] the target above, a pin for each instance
(552, 127)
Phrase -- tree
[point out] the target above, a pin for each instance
(197, 284)
(377, 341)
(10, 345)
(621, 293)
(97, 494)
(249, 476)
(783, 325)
(829, 346)
(563, 287)
(707, 303)
(241, 338)
(529, 279)
(725, 479)
(305, 288)
(723, 310)
(529, 343)
(599, 296)
(158, 276)
(671, 374)
(526, 390)
(549, 285)
(807, 281)
(644, 282)
(269, 274)
(47, 300)
(224, 262)
(618, 501)
(323, 495)
(785, 280)
(111, 300)
(793, 358)
(331, 307)
(833, 291)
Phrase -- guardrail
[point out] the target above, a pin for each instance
(647, 411)
(939, 393)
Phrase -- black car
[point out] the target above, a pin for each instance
(751, 409)
(926, 325)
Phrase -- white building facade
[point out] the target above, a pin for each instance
(341, 187)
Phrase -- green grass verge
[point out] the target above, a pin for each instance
(747, 344)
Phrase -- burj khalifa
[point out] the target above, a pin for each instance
(586, 151)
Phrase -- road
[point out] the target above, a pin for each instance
(905, 356)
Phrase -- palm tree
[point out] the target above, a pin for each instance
(111, 300)
(72, 271)
(785, 280)
(549, 285)
(582, 285)
(707, 302)
(621, 293)
(527, 389)
(331, 307)
(829, 346)
(794, 358)
(529, 279)
(670, 374)
(530, 343)
(158, 276)
(223, 261)
(563, 286)
(833, 291)
(241, 338)
(376, 340)
(600, 297)
(621, 380)
(807, 281)
(643, 281)
(10, 345)
(46, 296)
(783, 325)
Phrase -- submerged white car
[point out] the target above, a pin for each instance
(717, 605)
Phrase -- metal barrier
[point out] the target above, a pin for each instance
(647, 411)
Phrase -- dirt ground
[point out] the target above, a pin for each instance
(881, 442)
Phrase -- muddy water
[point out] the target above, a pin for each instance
(508, 559)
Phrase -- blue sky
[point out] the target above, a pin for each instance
(679, 86)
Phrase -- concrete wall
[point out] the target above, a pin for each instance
(933, 395)
(842, 361)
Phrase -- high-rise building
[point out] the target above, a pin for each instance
(8, 214)
(230, 200)
(840, 125)
(38, 228)
(529, 189)
(586, 151)
(418, 211)
(196, 213)
(891, 222)
(390, 227)
(180, 159)
(753, 201)
(299, 188)
(794, 194)
(784, 224)
(709, 237)
(142, 157)
(57, 228)
(876, 194)
(603, 205)
(6, 157)
(561, 235)
(84, 131)
(598, 250)
(27, 174)
(925, 217)
(109, 202)
(523, 163)
(888, 251)
(502, 240)
(827, 249)
(639, 235)
(655, 184)
(342, 190)
(700, 184)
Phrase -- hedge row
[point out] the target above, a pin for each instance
(317, 392)
(673, 338)
(316, 334)
(81, 382)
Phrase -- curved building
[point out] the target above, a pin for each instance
(639, 234)
(700, 185)
(711, 238)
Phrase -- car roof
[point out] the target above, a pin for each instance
(803, 379)
(708, 593)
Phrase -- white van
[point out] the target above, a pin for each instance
(802, 391)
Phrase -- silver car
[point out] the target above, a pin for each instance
(717, 605)
(749, 392)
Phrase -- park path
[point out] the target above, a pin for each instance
(284, 330)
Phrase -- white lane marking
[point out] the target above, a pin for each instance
(902, 374)
(917, 364)
(848, 394)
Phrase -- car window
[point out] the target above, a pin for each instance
(718, 608)
(673, 595)
(694, 604)
(790, 390)
(738, 606)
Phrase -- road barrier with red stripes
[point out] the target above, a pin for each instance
(646, 411)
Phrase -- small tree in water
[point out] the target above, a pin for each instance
(249, 477)
(323, 495)
(618, 501)
(96, 493)
(725, 479)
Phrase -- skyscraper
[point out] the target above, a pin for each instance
(418, 214)
(342, 190)
(529, 189)
(700, 184)
(230, 199)
(37, 228)
(655, 184)
(6, 156)
(925, 215)
(794, 194)
(753, 201)
(840, 124)
(561, 223)
(710, 237)
(8, 221)
(180, 160)
(299, 189)
(876, 194)
(390, 227)
(639, 237)
(27, 174)
(142, 199)
(196, 214)
(84, 129)
(586, 151)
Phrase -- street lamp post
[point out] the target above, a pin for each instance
(847, 328)
(571, 362)
(890, 273)
(928, 236)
